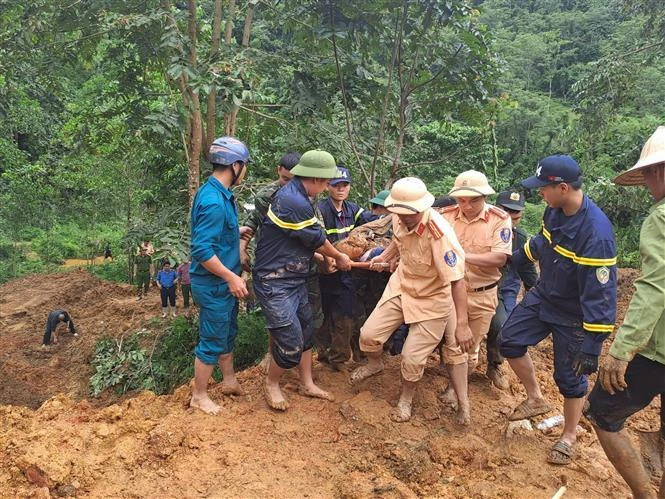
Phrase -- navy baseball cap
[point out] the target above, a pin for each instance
(554, 170)
(342, 175)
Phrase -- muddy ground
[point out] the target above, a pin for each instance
(149, 446)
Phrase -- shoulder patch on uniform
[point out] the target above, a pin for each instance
(434, 228)
(450, 257)
(447, 209)
(420, 229)
(505, 234)
(603, 275)
(498, 211)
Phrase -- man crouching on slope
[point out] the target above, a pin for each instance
(430, 270)
(290, 235)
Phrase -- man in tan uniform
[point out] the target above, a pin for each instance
(430, 272)
(485, 233)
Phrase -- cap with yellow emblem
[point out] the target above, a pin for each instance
(511, 200)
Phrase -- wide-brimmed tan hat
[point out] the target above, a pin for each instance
(408, 196)
(471, 183)
(653, 153)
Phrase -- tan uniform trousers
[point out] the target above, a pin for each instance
(423, 336)
(481, 308)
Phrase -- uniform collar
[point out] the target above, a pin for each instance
(297, 185)
(572, 224)
(220, 187)
(419, 229)
(483, 215)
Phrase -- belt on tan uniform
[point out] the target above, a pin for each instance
(484, 288)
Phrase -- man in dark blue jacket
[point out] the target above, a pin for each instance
(339, 216)
(290, 235)
(574, 299)
(52, 323)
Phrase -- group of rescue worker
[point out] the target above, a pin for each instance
(448, 278)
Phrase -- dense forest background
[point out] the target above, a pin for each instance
(108, 106)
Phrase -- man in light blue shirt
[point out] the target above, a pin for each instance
(215, 270)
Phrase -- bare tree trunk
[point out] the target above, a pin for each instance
(231, 116)
(347, 113)
(211, 109)
(378, 148)
(196, 131)
(231, 119)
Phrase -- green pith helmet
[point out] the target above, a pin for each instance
(380, 198)
(316, 164)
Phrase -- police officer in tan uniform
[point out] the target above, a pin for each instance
(485, 233)
(428, 281)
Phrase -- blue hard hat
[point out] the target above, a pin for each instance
(228, 150)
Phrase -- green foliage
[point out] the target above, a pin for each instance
(162, 363)
(115, 271)
(252, 341)
(532, 218)
(121, 364)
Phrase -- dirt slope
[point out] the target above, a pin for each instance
(150, 446)
(31, 375)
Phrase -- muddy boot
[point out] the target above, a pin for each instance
(340, 349)
(497, 377)
(173, 312)
(164, 312)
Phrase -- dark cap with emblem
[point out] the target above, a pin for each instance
(511, 200)
(342, 175)
(555, 169)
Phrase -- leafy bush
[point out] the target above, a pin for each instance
(60, 242)
(115, 270)
(532, 218)
(127, 365)
(120, 364)
(173, 362)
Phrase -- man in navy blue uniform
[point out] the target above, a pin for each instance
(339, 217)
(215, 270)
(290, 235)
(574, 299)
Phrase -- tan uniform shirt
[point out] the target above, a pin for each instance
(149, 249)
(490, 231)
(430, 259)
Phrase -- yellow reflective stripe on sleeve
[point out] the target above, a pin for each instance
(583, 260)
(290, 225)
(358, 214)
(343, 230)
(527, 250)
(598, 328)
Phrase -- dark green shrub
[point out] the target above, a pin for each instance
(142, 361)
(252, 340)
(121, 364)
(115, 270)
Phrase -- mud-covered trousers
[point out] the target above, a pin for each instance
(285, 305)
